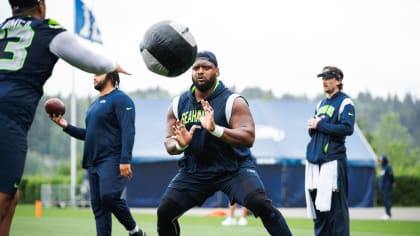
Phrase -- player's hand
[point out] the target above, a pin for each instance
(59, 120)
(125, 171)
(207, 121)
(119, 69)
(181, 134)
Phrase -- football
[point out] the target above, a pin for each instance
(54, 106)
(168, 48)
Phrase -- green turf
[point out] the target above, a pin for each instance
(80, 222)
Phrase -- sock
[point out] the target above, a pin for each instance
(134, 230)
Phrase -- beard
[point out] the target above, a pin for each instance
(100, 85)
(206, 86)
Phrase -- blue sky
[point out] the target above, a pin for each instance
(276, 45)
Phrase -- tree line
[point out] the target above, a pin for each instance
(389, 124)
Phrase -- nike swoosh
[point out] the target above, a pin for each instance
(129, 108)
(15, 185)
(350, 114)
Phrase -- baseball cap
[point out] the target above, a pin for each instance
(384, 159)
(23, 4)
(207, 56)
(331, 72)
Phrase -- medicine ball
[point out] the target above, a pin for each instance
(168, 48)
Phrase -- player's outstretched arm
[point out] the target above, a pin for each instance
(67, 47)
(73, 131)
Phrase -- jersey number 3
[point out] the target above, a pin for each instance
(13, 44)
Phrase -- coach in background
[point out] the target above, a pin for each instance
(30, 46)
(109, 140)
(386, 183)
(326, 181)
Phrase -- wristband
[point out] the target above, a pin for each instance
(179, 148)
(218, 131)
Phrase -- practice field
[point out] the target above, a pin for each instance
(74, 221)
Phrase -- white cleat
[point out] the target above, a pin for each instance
(386, 217)
(229, 221)
(242, 221)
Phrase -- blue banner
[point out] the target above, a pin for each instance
(85, 23)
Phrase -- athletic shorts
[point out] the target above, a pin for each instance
(13, 147)
(236, 186)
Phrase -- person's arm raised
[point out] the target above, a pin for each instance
(67, 47)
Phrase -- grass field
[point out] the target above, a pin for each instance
(80, 222)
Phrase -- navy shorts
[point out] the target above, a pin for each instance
(13, 147)
(236, 186)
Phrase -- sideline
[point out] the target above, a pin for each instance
(368, 213)
(364, 213)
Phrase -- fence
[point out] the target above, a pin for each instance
(58, 195)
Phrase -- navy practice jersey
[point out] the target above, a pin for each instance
(110, 129)
(25, 64)
(208, 155)
(328, 139)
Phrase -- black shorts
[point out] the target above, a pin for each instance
(13, 147)
(236, 186)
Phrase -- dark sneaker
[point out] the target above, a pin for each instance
(138, 233)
